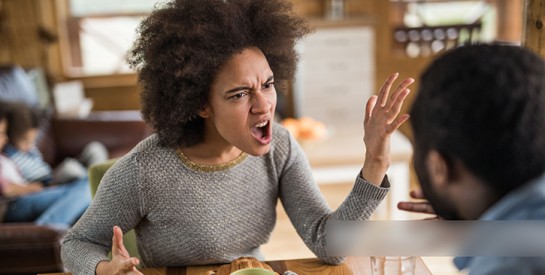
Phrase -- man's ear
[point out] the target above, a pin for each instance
(438, 169)
(205, 112)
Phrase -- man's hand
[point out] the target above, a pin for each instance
(423, 207)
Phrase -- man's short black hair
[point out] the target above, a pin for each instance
(484, 105)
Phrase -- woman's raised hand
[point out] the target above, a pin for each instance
(381, 120)
(122, 262)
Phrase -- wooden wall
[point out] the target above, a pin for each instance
(534, 31)
(27, 32)
(26, 25)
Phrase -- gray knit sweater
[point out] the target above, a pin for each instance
(185, 217)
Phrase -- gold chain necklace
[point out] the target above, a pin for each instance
(210, 167)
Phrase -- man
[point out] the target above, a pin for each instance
(479, 143)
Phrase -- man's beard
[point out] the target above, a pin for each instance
(443, 207)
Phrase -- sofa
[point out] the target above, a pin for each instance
(26, 248)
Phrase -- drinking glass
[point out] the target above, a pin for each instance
(384, 265)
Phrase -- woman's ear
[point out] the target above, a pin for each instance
(205, 112)
(438, 169)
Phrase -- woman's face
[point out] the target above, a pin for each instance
(242, 102)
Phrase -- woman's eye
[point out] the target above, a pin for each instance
(268, 85)
(237, 96)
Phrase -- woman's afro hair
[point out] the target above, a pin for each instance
(182, 44)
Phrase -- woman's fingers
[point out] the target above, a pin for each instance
(385, 90)
(389, 108)
(397, 103)
(115, 241)
(122, 262)
(130, 264)
(397, 122)
(118, 248)
(369, 107)
(400, 89)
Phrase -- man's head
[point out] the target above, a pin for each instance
(479, 127)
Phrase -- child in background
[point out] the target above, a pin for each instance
(12, 183)
(22, 134)
(26, 176)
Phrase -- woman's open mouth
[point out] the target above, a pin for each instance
(262, 132)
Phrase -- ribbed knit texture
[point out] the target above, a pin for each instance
(184, 217)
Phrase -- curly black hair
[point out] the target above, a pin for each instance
(484, 105)
(182, 44)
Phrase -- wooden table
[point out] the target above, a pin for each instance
(352, 266)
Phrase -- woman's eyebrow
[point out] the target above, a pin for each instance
(271, 78)
(241, 88)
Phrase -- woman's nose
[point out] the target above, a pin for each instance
(260, 103)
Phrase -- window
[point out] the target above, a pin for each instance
(99, 33)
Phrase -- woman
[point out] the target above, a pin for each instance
(204, 188)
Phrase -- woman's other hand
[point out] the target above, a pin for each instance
(122, 262)
(381, 120)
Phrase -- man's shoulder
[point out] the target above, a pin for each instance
(507, 266)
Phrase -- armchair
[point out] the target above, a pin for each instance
(96, 172)
(26, 248)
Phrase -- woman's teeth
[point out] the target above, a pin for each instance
(262, 124)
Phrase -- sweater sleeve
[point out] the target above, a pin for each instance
(117, 202)
(307, 208)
